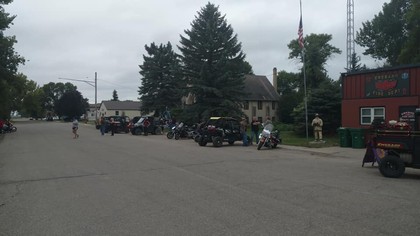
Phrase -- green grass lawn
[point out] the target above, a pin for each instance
(290, 138)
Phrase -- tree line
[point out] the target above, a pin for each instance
(210, 67)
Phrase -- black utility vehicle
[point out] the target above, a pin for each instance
(120, 123)
(395, 146)
(146, 125)
(220, 129)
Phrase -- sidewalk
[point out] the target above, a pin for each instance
(336, 151)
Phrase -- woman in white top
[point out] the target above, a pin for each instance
(75, 127)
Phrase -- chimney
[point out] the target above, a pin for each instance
(275, 79)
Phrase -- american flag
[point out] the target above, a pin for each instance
(300, 33)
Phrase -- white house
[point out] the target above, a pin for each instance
(120, 108)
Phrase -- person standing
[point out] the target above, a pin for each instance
(102, 124)
(244, 126)
(317, 125)
(112, 126)
(255, 126)
(75, 127)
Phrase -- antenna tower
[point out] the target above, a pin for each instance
(350, 33)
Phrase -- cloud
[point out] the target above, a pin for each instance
(76, 38)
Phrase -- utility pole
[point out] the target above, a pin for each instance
(350, 33)
(93, 84)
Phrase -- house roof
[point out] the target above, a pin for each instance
(260, 89)
(93, 106)
(122, 105)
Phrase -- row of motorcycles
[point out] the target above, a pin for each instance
(7, 127)
(182, 131)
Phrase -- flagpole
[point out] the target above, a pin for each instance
(304, 78)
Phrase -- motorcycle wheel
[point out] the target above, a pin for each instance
(177, 136)
(274, 145)
(202, 142)
(197, 138)
(14, 129)
(260, 144)
(170, 135)
(137, 131)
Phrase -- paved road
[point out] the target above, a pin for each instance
(52, 184)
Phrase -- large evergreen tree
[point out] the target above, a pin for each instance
(114, 96)
(9, 61)
(161, 82)
(213, 65)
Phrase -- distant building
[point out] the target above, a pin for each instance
(386, 93)
(120, 108)
(91, 111)
(262, 100)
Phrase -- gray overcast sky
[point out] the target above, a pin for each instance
(76, 38)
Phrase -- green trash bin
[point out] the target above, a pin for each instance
(358, 137)
(345, 137)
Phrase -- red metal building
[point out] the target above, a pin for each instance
(390, 93)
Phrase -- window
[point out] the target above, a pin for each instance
(367, 114)
(246, 105)
(117, 113)
(260, 104)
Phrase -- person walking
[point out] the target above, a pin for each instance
(102, 125)
(317, 124)
(75, 127)
(112, 126)
(255, 126)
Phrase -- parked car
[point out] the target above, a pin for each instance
(146, 125)
(220, 129)
(120, 122)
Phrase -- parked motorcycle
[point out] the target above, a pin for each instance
(268, 137)
(8, 127)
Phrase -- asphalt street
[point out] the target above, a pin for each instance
(52, 184)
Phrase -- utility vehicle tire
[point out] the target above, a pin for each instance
(170, 135)
(260, 144)
(197, 138)
(158, 131)
(392, 166)
(137, 131)
(202, 142)
(231, 142)
(217, 141)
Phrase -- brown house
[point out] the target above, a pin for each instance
(389, 94)
(262, 100)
